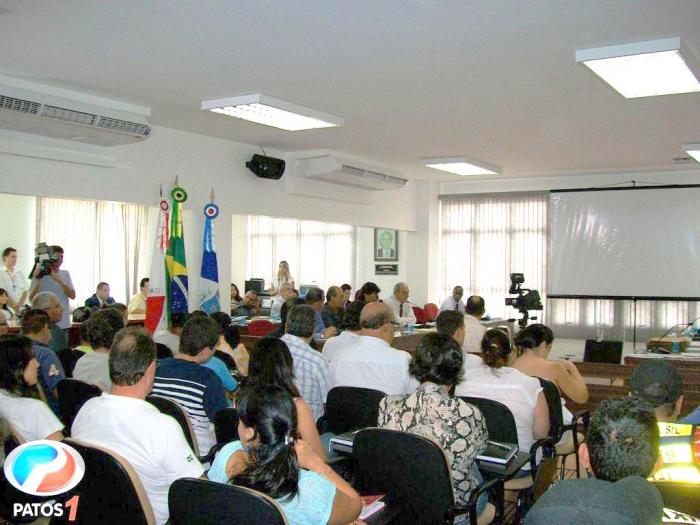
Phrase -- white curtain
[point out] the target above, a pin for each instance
(317, 252)
(485, 237)
(102, 240)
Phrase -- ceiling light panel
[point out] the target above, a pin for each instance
(269, 111)
(461, 166)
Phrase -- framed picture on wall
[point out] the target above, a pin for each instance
(386, 245)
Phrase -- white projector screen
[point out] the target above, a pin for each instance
(625, 243)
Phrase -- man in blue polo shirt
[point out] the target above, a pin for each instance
(36, 326)
(195, 388)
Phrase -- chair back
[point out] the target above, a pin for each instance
(431, 311)
(418, 312)
(111, 491)
(72, 395)
(206, 502)
(500, 422)
(8, 494)
(680, 496)
(410, 469)
(260, 327)
(68, 358)
(556, 415)
(349, 408)
(226, 426)
(162, 351)
(174, 410)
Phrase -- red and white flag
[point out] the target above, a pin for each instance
(156, 308)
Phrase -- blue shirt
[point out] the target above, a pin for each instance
(221, 371)
(693, 418)
(311, 506)
(50, 372)
(320, 326)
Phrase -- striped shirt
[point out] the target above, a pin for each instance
(197, 390)
(311, 373)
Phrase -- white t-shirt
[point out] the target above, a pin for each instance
(372, 363)
(333, 345)
(169, 339)
(15, 283)
(473, 334)
(151, 442)
(509, 386)
(31, 418)
(94, 368)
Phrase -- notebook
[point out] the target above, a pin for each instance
(498, 452)
(371, 505)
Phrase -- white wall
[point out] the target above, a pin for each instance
(18, 228)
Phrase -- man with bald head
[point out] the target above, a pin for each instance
(398, 302)
(371, 362)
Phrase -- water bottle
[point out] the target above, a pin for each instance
(675, 347)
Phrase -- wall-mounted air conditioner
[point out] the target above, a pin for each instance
(39, 109)
(346, 171)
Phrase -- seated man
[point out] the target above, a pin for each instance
(249, 307)
(398, 302)
(475, 310)
(196, 388)
(350, 326)
(347, 292)
(621, 449)
(286, 292)
(314, 298)
(100, 298)
(49, 303)
(658, 383)
(170, 337)
(93, 367)
(35, 325)
(311, 374)
(137, 304)
(454, 301)
(332, 310)
(371, 362)
(451, 322)
(124, 422)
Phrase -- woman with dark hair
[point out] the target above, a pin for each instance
(368, 293)
(431, 411)
(30, 417)
(5, 309)
(236, 298)
(496, 379)
(534, 344)
(271, 363)
(272, 459)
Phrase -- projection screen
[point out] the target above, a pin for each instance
(625, 243)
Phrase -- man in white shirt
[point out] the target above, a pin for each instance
(371, 362)
(403, 310)
(137, 304)
(451, 322)
(350, 326)
(475, 309)
(124, 422)
(13, 281)
(93, 367)
(285, 293)
(170, 337)
(454, 301)
(58, 282)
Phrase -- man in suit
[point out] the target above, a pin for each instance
(100, 298)
(387, 249)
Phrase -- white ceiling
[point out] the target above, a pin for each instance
(494, 80)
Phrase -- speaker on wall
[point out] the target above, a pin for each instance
(266, 167)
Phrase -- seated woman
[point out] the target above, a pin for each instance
(534, 344)
(271, 459)
(496, 379)
(431, 411)
(271, 364)
(31, 418)
(5, 309)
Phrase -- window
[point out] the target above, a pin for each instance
(317, 252)
(102, 242)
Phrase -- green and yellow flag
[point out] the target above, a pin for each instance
(175, 261)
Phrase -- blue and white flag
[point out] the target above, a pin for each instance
(209, 281)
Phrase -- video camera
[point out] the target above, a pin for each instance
(44, 256)
(526, 300)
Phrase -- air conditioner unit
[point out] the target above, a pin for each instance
(345, 171)
(58, 113)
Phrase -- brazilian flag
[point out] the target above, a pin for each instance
(175, 262)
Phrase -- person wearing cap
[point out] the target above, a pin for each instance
(620, 452)
(658, 383)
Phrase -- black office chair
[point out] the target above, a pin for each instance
(226, 426)
(72, 395)
(162, 351)
(68, 358)
(350, 408)
(609, 352)
(680, 496)
(209, 503)
(174, 410)
(500, 422)
(557, 427)
(422, 487)
(111, 492)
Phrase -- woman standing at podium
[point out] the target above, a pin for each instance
(283, 276)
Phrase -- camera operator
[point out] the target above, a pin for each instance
(57, 281)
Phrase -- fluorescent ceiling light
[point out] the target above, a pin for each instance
(693, 150)
(642, 69)
(269, 111)
(461, 166)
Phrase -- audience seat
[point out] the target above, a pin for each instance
(420, 315)
(420, 487)
(172, 409)
(162, 351)
(8, 494)
(226, 426)
(72, 395)
(68, 358)
(111, 491)
(208, 503)
(260, 327)
(350, 408)
(680, 496)
(431, 311)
